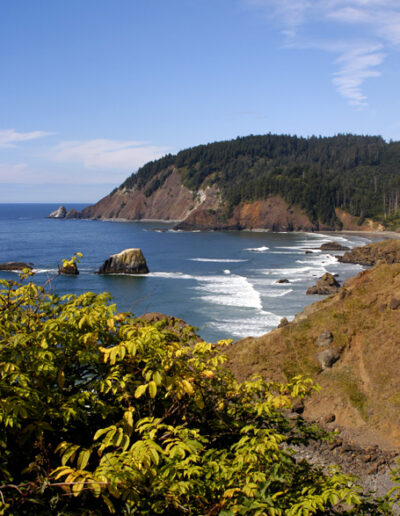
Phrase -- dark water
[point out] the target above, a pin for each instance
(224, 283)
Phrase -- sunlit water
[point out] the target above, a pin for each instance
(224, 283)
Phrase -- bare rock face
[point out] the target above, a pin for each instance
(15, 266)
(328, 357)
(129, 261)
(73, 214)
(325, 338)
(59, 213)
(325, 286)
(283, 322)
(387, 251)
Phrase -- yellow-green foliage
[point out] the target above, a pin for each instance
(103, 413)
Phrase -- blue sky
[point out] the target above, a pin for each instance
(92, 89)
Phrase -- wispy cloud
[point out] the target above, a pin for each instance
(11, 137)
(119, 155)
(376, 27)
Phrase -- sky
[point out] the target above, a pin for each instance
(90, 90)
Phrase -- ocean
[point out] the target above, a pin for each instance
(223, 283)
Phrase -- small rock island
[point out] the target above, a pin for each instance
(129, 261)
(59, 213)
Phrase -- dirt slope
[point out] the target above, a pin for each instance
(360, 390)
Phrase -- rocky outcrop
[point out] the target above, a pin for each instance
(333, 246)
(325, 286)
(15, 266)
(273, 214)
(129, 261)
(171, 202)
(386, 251)
(73, 214)
(69, 269)
(59, 213)
(201, 210)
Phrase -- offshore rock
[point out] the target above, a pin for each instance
(325, 286)
(15, 266)
(59, 213)
(334, 246)
(68, 270)
(129, 261)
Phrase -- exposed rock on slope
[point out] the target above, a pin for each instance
(387, 251)
(273, 213)
(173, 201)
(352, 223)
(361, 386)
(129, 261)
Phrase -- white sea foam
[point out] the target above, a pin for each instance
(255, 325)
(171, 275)
(234, 290)
(227, 271)
(276, 292)
(261, 249)
(219, 260)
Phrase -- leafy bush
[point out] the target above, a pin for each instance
(101, 412)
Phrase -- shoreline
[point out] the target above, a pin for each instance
(384, 234)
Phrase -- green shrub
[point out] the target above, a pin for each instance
(102, 413)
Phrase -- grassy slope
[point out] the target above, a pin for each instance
(362, 389)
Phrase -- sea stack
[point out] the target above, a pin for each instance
(59, 213)
(70, 269)
(129, 261)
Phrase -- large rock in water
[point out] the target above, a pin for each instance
(129, 261)
(15, 266)
(325, 286)
(59, 213)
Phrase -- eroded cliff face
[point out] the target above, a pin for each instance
(205, 210)
(173, 201)
(351, 223)
(271, 214)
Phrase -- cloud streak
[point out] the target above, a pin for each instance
(369, 30)
(11, 137)
(119, 155)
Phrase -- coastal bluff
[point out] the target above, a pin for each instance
(128, 261)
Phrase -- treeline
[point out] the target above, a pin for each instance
(359, 174)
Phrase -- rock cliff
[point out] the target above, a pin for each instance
(203, 210)
(129, 261)
(276, 182)
(387, 251)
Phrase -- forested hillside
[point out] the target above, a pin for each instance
(359, 174)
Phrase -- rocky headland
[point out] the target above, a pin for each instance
(387, 251)
(269, 182)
